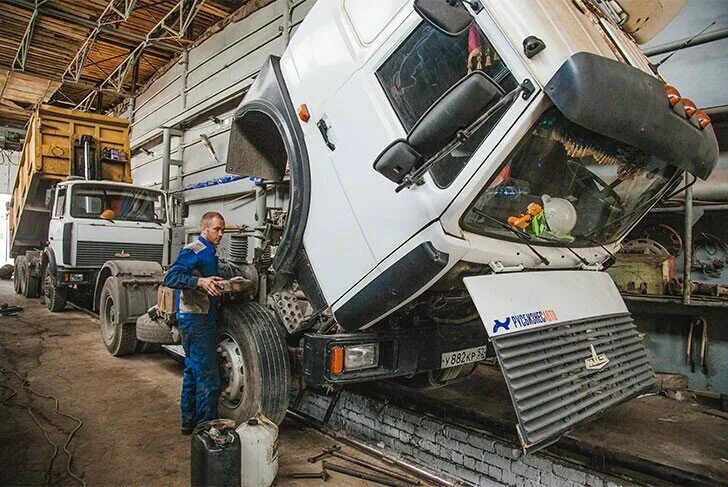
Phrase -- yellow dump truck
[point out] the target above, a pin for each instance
(75, 218)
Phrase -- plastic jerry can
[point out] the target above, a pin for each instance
(259, 450)
(215, 456)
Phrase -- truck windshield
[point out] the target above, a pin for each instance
(571, 185)
(117, 203)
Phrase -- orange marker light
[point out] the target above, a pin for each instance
(303, 113)
(703, 118)
(690, 107)
(337, 360)
(673, 96)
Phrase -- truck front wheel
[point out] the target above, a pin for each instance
(18, 274)
(254, 366)
(55, 297)
(118, 334)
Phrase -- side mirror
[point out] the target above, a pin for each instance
(454, 111)
(176, 207)
(447, 16)
(397, 160)
(49, 198)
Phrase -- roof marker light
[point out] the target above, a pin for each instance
(673, 96)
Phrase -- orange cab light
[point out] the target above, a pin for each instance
(303, 113)
(703, 118)
(673, 96)
(337, 360)
(690, 107)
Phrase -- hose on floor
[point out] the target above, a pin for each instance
(25, 384)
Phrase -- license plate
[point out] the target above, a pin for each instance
(460, 357)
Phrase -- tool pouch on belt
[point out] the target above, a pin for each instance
(165, 300)
(193, 301)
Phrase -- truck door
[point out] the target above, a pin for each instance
(55, 230)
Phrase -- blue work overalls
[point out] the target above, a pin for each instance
(197, 321)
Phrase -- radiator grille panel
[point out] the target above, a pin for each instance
(96, 253)
(547, 376)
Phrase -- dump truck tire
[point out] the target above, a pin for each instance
(254, 365)
(118, 334)
(55, 297)
(17, 273)
(32, 286)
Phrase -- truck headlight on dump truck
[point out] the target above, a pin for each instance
(354, 357)
(73, 277)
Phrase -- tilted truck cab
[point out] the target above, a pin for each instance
(458, 174)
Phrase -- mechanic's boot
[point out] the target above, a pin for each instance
(187, 428)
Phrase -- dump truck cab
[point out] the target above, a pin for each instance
(91, 222)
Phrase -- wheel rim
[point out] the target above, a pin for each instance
(232, 371)
(109, 322)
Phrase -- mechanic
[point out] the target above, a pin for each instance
(197, 276)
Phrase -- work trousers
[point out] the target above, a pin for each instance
(201, 381)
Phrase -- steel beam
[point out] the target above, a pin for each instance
(68, 17)
(22, 54)
(175, 24)
(115, 11)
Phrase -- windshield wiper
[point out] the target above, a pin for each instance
(567, 247)
(523, 237)
(595, 241)
(415, 177)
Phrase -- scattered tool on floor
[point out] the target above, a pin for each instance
(324, 453)
(323, 475)
(352, 472)
(6, 310)
(336, 452)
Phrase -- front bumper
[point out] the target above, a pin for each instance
(401, 353)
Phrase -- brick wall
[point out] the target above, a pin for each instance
(470, 456)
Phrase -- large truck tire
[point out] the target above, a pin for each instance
(254, 366)
(117, 332)
(153, 331)
(55, 297)
(17, 273)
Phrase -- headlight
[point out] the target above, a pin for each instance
(358, 357)
(353, 357)
(75, 277)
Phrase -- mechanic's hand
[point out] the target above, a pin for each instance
(211, 285)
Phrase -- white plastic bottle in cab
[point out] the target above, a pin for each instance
(259, 451)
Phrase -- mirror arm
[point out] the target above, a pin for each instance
(473, 4)
(415, 177)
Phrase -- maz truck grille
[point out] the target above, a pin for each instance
(547, 375)
(96, 253)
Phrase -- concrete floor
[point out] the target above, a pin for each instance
(129, 408)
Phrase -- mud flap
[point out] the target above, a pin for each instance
(567, 346)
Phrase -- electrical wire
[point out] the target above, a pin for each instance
(25, 383)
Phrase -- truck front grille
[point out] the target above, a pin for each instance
(553, 387)
(96, 253)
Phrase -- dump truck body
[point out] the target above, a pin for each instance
(74, 211)
(52, 139)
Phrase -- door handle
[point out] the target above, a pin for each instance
(324, 129)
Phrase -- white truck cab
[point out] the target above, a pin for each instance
(94, 222)
(459, 173)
